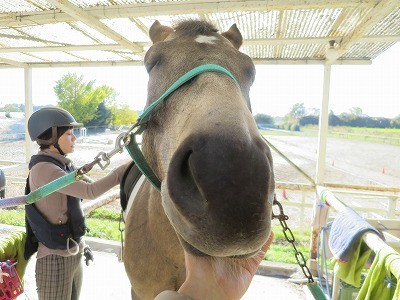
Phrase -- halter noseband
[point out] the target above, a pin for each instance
(133, 147)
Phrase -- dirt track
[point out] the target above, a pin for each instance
(347, 161)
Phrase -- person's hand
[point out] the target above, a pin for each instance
(220, 278)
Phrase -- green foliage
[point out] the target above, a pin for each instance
(82, 99)
(298, 110)
(102, 213)
(395, 122)
(15, 217)
(102, 117)
(282, 251)
(123, 115)
(264, 119)
(10, 108)
(104, 229)
(295, 127)
(104, 224)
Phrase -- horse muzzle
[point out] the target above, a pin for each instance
(220, 193)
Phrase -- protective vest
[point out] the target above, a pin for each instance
(38, 229)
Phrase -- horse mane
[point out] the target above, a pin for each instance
(195, 27)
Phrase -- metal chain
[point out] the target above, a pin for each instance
(290, 238)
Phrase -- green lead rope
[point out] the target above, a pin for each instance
(316, 291)
(51, 187)
(41, 192)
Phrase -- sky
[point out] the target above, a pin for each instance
(374, 88)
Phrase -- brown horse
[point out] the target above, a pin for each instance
(203, 144)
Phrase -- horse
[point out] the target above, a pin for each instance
(216, 172)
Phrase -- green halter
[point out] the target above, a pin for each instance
(133, 147)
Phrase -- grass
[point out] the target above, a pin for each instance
(282, 251)
(102, 223)
(105, 224)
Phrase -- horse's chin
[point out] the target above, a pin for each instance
(196, 252)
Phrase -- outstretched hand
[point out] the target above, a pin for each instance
(220, 278)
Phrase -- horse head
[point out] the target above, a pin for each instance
(203, 144)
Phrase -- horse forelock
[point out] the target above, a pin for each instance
(194, 27)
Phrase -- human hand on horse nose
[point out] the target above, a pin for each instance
(220, 278)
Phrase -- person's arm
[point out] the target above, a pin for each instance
(79, 189)
(213, 278)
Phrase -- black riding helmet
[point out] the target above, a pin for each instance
(49, 118)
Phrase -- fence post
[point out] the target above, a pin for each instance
(392, 203)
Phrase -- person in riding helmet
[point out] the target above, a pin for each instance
(56, 224)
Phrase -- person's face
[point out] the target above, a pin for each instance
(67, 141)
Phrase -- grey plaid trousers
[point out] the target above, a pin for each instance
(58, 277)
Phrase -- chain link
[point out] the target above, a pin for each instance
(287, 232)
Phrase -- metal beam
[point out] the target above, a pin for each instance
(248, 42)
(173, 8)
(323, 127)
(28, 111)
(12, 62)
(93, 22)
(140, 63)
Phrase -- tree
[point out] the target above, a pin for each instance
(395, 122)
(11, 108)
(356, 111)
(298, 110)
(83, 100)
(263, 119)
(123, 115)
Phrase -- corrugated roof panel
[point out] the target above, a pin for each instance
(58, 33)
(94, 34)
(389, 26)
(251, 24)
(20, 57)
(127, 29)
(17, 6)
(310, 23)
(130, 55)
(273, 23)
(258, 52)
(10, 31)
(88, 3)
(19, 42)
(97, 55)
(367, 50)
(55, 56)
(167, 20)
(349, 20)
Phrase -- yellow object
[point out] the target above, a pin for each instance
(12, 246)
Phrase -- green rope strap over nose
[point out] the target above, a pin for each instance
(133, 147)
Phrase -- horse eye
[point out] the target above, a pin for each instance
(153, 56)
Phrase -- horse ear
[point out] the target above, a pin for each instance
(158, 32)
(234, 36)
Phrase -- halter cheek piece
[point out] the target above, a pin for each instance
(133, 147)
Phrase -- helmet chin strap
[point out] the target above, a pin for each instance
(55, 137)
(57, 146)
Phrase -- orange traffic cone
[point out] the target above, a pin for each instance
(284, 195)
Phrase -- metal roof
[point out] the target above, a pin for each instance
(44, 33)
